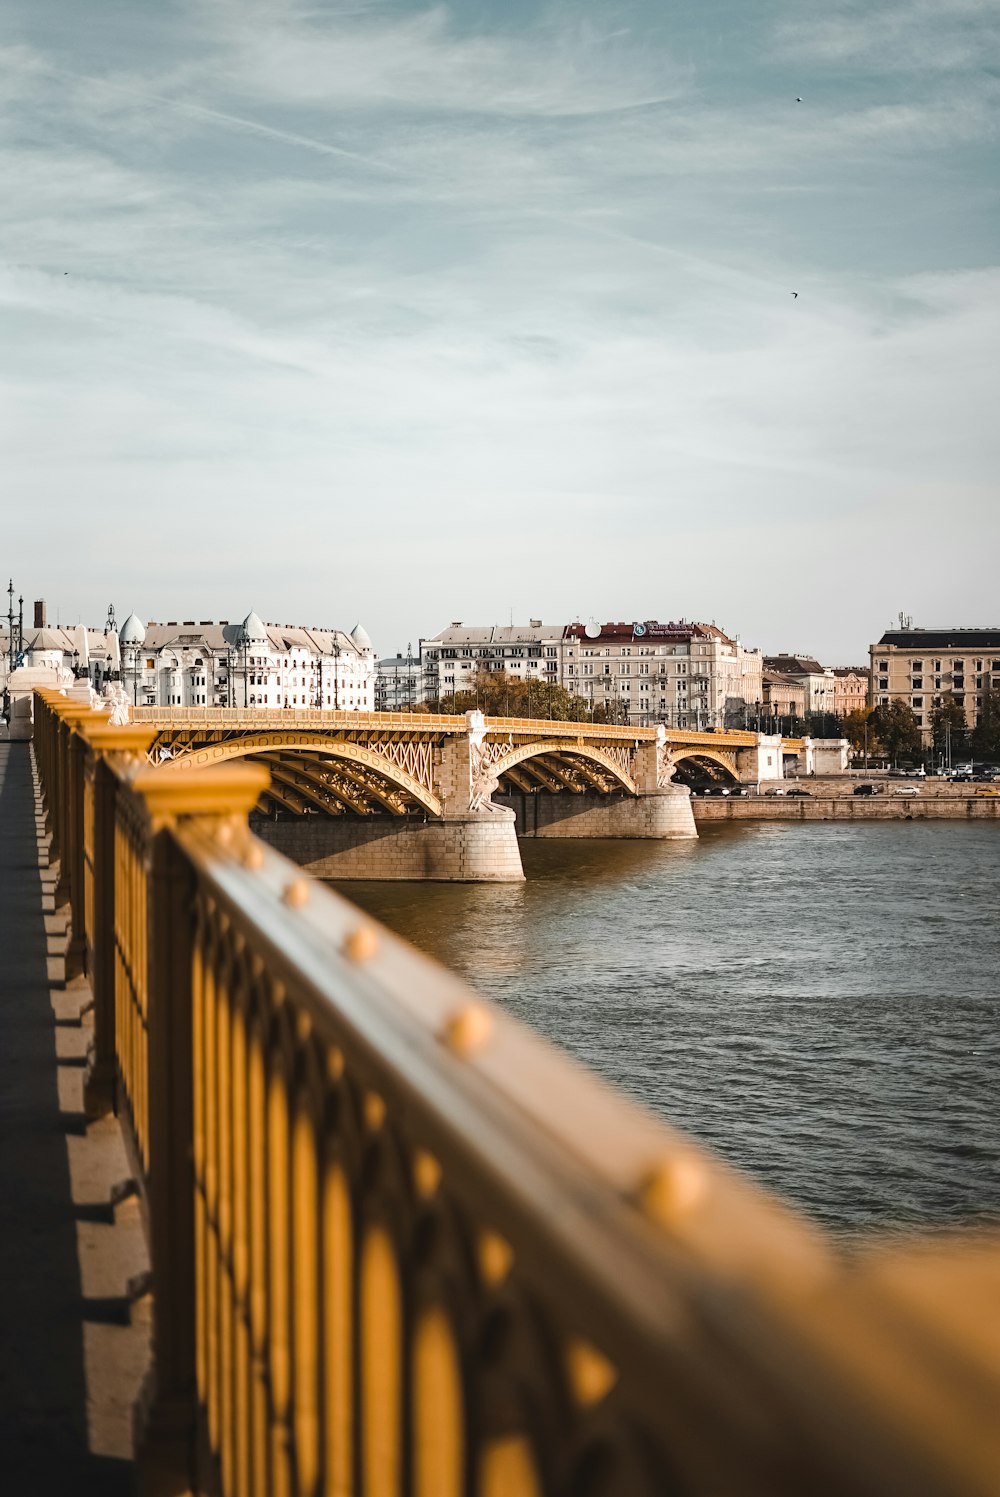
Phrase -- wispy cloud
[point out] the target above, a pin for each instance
(322, 276)
(920, 35)
(414, 59)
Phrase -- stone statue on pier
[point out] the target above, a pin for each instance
(117, 702)
(666, 761)
(482, 778)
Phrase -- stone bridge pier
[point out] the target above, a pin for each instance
(653, 807)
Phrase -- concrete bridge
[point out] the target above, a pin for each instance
(387, 1242)
(376, 795)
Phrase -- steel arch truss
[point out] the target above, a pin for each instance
(709, 761)
(321, 772)
(558, 765)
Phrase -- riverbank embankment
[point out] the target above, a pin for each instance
(837, 802)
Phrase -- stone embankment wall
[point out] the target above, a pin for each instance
(478, 849)
(849, 807)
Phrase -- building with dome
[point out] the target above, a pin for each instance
(250, 663)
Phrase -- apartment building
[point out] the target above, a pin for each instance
(683, 674)
(850, 688)
(784, 696)
(399, 683)
(818, 681)
(449, 660)
(923, 667)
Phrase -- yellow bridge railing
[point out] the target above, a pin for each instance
(402, 1248)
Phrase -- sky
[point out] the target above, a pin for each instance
(484, 310)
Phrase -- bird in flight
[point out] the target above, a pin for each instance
(795, 296)
(798, 98)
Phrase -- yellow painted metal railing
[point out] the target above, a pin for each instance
(236, 718)
(403, 1248)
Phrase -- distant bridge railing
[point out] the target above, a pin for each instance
(241, 717)
(403, 1248)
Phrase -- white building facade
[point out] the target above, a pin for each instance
(449, 661)
(250, 665)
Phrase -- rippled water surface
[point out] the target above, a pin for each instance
(819, 1003)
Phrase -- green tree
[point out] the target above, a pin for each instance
(986, 734)
(948, 727)
(897, 730)
(859, 732)
(500, 695)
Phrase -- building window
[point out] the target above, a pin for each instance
(918, 701)
(883, 683)
(918, 683)
(883, 665)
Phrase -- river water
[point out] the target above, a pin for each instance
(819, 1003)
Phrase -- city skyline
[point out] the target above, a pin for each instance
(332, 311)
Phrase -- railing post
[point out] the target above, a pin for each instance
(112, 751)
(168, 1426)
(69, 891)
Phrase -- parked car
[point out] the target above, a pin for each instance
(799, 792)
(778, 790)
(985, 790)
(867, 790)
(906, 790)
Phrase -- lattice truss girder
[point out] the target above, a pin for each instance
(332, 785)
(415, 756)
(561, 772)
(720, 767)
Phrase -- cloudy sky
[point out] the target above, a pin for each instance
(417, 313)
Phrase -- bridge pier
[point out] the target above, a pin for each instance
(479, 847)
(663, 814)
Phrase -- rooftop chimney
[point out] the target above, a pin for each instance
(39, 613)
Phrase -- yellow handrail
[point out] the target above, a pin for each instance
(400, 1244)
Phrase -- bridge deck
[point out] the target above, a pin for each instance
(428, 723)
(69, 1371)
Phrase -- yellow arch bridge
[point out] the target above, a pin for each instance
(419, 795)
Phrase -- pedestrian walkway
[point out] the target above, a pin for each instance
(72, 1348)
